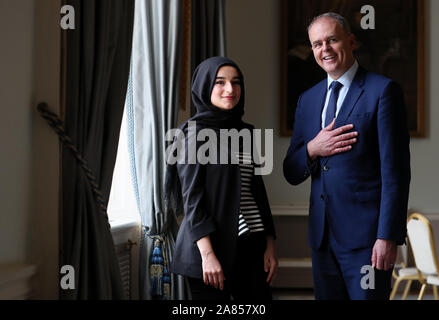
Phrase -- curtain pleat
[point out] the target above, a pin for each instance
(208, 36)
(152, 109)
(98, 55)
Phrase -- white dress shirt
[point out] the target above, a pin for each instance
(346, 80)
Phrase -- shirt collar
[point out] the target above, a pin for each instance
(347, 78)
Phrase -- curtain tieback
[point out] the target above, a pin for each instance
(56, 124)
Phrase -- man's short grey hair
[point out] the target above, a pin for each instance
(339, 18)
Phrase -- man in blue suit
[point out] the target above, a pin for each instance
(350, 136)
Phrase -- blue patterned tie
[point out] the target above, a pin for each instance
(332, 105)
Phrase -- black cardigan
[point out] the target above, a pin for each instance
(211, 201)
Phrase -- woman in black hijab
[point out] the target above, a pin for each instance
(225, 245)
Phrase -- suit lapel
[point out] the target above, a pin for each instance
(351, 99)
(354, 93)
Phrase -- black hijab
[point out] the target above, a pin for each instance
(207, 116)
(203, 81)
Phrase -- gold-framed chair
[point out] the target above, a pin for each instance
(403, 273)
(420, 234)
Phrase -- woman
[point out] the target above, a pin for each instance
(225, 245)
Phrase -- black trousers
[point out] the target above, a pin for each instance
(248, 278)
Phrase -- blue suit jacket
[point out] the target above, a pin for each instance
(363, 192)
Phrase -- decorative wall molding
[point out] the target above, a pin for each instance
(299, 210)
(295, 263)
(16, 281)
(302, 209)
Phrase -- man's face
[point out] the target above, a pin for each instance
(332, 47)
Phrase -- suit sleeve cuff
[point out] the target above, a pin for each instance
(202, 230)
(387, 236)
(312, 164)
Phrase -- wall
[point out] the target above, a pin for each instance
(29, 166)
(16, 65)
(253, 41)
(44, 226)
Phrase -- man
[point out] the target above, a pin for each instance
(350, 136)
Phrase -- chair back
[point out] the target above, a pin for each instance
(421, 239)
(402, 255)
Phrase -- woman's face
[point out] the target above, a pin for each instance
(227, 89)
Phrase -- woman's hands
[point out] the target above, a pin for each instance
(212, 271)
(270, 260)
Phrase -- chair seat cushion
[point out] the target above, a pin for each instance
(434, 280)
(404, 272)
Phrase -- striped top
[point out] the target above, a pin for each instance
(249, 216)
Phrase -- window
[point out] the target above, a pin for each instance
(122, 205)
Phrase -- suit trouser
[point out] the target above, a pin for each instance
(247, 280)
(342, 274)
